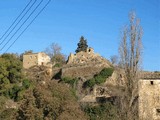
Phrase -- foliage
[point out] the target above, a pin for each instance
(10, 72)
(106, 72)
(57, 65)
(90, 83)
(69, 80)
(11, 77)
(2, 102)
(59, 59)
(106, 111)
(50, 101)
(8, 114)
(54, 51)
(99, 78)
(82, 45)
(10, 68)
(26, 83)
(16, 92)
(13, 92)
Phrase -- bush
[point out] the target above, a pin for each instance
(16, 92)
(8, 114)
(26, 83)
(66, 79)
(99, 78)
(13, 92)
(105, 111)
(106, 72)
(69, 80)
(57, 65)
(91, 82)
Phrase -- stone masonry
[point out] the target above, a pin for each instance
(84, 64)
(32, 59)
(149, 99)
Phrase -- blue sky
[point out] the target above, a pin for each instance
(99, 21)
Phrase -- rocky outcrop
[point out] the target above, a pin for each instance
(84, 64)
(83, 70)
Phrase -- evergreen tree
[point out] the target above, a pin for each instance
(82, 45)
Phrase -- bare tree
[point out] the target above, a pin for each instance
(54, 51)
(130, 51)
(114, 59)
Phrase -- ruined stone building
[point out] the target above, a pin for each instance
(84, 57)
(149, 99)
(32, 59)
(81, 57)
(149, 95)
(84, 64)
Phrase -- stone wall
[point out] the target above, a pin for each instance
(83, 70)
(30, 60)
(84, 57)
(149, 99)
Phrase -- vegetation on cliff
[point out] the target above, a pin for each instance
(22, 99)
(99, 78)
(106, 111)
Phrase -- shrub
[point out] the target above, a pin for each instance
(57, 65)
(69, 80)
(105, 111)
(99, 78)
(26, 83)
(13, 92)
(91, 82)
(66, 79)
(8, 114)
(106, 72)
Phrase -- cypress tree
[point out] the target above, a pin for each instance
(82, 45)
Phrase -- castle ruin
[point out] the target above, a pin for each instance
(82, 57)
(84, 63)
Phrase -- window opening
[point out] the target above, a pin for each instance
(151, 82)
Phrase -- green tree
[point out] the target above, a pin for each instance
(82, 45)
(13, 67)
(10, 72)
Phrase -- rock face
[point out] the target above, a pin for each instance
(84, 64)
(39, 73)
(83, 70)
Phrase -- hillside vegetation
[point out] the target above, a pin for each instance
(31, 94)
(31, 99)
